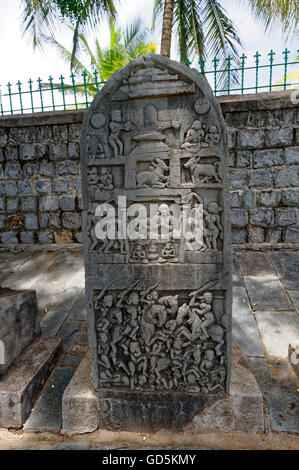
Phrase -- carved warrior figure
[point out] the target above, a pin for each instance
(149, 341)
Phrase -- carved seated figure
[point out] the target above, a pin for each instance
(168, 253)
(139, 254)
(212, 137)
(195, 136)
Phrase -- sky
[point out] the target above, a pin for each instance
(20, 62)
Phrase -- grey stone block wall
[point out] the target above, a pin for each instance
(264, 171)
(40, 181)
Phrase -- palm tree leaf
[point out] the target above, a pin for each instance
(222, 39)
(284, 11)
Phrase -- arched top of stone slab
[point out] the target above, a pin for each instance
(141, 78)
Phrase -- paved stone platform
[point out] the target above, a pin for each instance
(265, 321)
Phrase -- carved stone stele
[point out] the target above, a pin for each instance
(159, 310)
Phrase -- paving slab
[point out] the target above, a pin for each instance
(245, 332)
(30, 271)
(256, 264)
(57, 314)
(47, 411)
(287, 265)
(295, 298)
(20, 386)
(278, 330)
(279, 391)
(11, 264)
(53, 281)
(78, 311)
(266, 293)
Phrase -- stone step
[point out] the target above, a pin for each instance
(22, 383)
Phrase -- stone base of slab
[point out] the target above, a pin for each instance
(293, 356)
(21, 384)
(242, 410)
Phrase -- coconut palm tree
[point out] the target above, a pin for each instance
(44, 17)
(124, 46)
(204, 28)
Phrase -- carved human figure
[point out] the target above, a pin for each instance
(208, 360)
(116, 126)
(205, 313)
(105, 179)
(213, 227)
(195, 135)
(168, 252)
(103, 353)
(94, 148)
(138, 254)
(212, 137)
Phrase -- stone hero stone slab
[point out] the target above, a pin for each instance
(159, 311)
(20, 386)
(19, 324)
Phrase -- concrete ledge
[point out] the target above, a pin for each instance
(48, 118)
(242, 410)
(42, 248)
(20, 386)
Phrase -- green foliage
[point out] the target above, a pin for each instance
(124, 46)
(43, 17)
(203, 28)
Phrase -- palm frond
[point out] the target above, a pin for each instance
(222, 39)
(284, 11)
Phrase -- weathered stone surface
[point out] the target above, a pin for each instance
(251, 139)
(262, 217)
(19, 323)
(264, 158)
(267, 294)
(260, 179)
(20, 386)
(278, 330)
(80, 405)
(269, 198)
(293, 355)
(155, 134)
(292, 155)
(279, 137)
(286, 264)
(286, 177)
